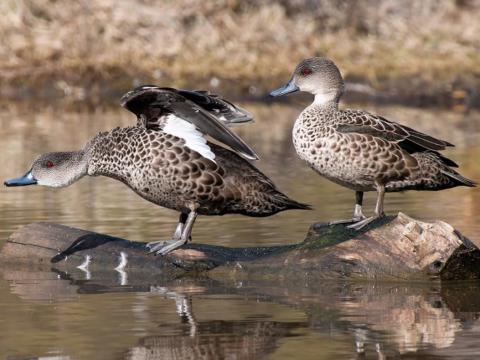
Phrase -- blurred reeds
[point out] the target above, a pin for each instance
(85, 44)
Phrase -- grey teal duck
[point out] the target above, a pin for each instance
(359, 150)
(167, 160)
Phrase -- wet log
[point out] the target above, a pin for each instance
(394, 248)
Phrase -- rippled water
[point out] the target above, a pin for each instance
(65, 316)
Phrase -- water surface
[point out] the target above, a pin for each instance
(65, 316)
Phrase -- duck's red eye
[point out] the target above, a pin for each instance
(306, 71)
(49, 164)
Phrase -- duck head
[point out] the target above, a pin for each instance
(318, 76)
(55, 169)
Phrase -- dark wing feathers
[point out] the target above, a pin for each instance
(143, 103)
(409, 139)
(445, 160)
(150, 103)
(461, 179)
(222, 109)
(384, 133)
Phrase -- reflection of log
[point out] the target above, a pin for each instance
(384, 319)
(396, 248)
(398, 317)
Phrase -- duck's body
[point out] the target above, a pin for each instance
(160, 168)
(361, 151)
(166, 159)
(347, 147)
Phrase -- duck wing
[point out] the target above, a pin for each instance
(157, 107)
(217, 106)
(411, 140)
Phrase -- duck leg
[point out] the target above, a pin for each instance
(179, 229)
(378, 210)
(176, 235)
(357, 212)
(164, 247)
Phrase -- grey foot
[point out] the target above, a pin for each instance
(347, 221)
(151, 246)
(165, 246)
(361, 224)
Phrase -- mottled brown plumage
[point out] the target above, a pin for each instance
(358, 150)
(158, 167)
(362, 151)
(166, 160)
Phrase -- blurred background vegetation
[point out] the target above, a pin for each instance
(80, 48)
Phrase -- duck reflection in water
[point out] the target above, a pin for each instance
(378, 320)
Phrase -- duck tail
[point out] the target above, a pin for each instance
(459, 179)
(292, 204)
(270, 203)
(445, 166)
(286, 203)
(435, 173)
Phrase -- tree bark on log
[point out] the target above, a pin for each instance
(394, 248)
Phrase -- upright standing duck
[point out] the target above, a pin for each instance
(361, 151)
(167, 160)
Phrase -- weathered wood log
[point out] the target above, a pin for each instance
(395, 248)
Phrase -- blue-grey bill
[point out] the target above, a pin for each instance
(24, 180)
(286, 89)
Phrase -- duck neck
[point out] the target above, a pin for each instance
(327, 100)
(105, 156)
(81, 166)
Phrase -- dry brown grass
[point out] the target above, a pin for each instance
(250, 42)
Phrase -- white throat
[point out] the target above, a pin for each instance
(324, 98)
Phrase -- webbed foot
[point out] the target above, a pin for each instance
(182, 234)
(347, 221)
(361, 224)
(163, 247)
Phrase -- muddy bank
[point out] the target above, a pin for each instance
(99, 87)
(411, 52)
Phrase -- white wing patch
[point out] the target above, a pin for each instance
(194, 139)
